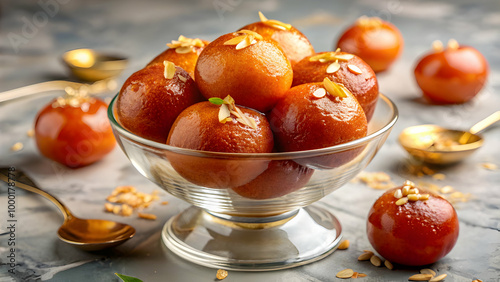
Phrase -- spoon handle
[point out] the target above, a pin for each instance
(485, 123)
(57, 85)
(66, 213)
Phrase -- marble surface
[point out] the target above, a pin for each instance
(139, 30)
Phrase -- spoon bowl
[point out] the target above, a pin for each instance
(441, 146)
(90, 65)
(86, 234)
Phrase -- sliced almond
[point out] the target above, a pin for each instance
(424, 197)
(438, 278)
(361, 275)
(375, 260)
(354, 275)
(365, 256)
(437, 45)
(18, 146)
(319, 93)
(183, 50)
(402, 201)
(221, 274)
(335, 89)
(413, 197)
(333, 67)
(252, 33)
(235, 40)
(147, 216)
(420, 277)
(398, 194)
(249, 40)
(346, 273)
(343, 245)
(262, 17)
(388, 264)
(428, 271)
(453, 44)
(354, 69)
(182, 78)
(169, 70)
(344, 57)
(224, 113)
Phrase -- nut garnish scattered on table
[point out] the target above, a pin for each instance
(375, 180)
(420, 277)
(366, 255)
(17, 147)
(221, 274)
(130, 200)
(345, 274)
(30, 133)
(343, 245)
(489, 166)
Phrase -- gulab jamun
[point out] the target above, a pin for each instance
(318, 115)
(341, 67)
(152, 98)
(411, 226)
(294, 43)
(183, 52)
(379, 43)
(253, 70)
(451, 75)
(220, 128)
(280, 178)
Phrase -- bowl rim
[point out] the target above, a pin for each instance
(275, 155)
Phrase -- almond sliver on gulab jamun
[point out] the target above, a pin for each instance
(295, 45)
(183, 52)
(203, 127)
(305, 120)
(149, 102)
(341, 67)
(252, 69)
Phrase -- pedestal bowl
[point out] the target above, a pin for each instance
(254, 212)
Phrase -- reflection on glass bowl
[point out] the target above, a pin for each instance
(252, 211)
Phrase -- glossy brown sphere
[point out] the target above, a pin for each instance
(301, 121)
(379, 43)
(279, 179)
(149, 103)
(360, 79)
(415, 233)
(198, 128)
(295, 45)
(256, 76)
(186, 60)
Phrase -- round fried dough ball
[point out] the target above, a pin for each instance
(149, 103)
(253, 70)
(198, 128)
(340, 67)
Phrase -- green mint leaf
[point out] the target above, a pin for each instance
(216, 100)
(126, 278)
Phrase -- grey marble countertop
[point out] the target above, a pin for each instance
(33, 35)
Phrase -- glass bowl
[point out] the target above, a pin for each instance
(254, 212)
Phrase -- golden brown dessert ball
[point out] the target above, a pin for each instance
(183, 53)
(341, 67)
(294, 43)
(279, 179)
(149, 102)
(308, 118)
(253, 70)
(198, 128)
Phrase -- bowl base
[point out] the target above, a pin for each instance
(253, 243)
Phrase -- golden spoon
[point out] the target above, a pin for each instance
(437, 145)
(86, 234)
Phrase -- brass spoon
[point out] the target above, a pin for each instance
(437, 145)
(90, 65)
(86, 234)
